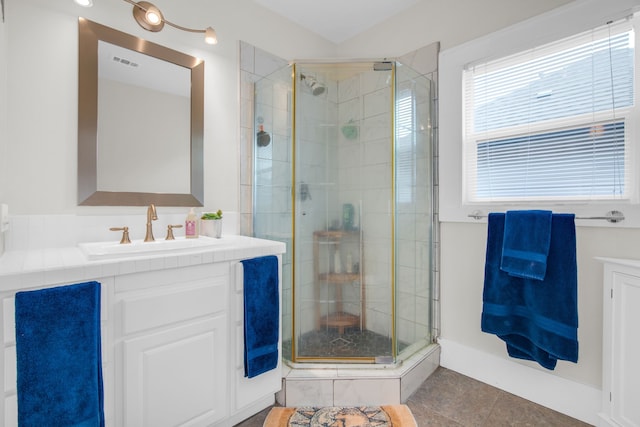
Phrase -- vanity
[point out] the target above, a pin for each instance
(171, 317)
(171, 329)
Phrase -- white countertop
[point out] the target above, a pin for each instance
(23, 269)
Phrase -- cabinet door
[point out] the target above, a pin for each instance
(173, 377)
(625, 375)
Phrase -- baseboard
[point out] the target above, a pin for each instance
(568, 397)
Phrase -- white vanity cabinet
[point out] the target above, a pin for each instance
(621, 344)
(171, 346)
(172, 333)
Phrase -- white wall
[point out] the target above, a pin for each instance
(39, 176)
(39, 173)
(3, 107)
(464, 239)
(450, 23)
(3, 119)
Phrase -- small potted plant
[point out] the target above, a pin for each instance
(211, 224)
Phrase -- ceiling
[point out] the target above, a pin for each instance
(337, 20)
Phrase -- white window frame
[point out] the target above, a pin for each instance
(571, 19)
(472, 138)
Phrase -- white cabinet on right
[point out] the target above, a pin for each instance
(621, 343)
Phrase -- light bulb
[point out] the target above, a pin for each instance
(152, 17)
(210, 36)
(84, 3)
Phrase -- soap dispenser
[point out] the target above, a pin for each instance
(191, 225)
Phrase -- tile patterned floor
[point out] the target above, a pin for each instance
(449, 399)
(329, 343)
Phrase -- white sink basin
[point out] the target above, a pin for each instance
(110, 250)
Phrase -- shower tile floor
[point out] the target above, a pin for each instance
(450, 399)
(329, 344)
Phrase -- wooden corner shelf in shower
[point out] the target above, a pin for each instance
(339, 277)
(340, 321)
(327, 275)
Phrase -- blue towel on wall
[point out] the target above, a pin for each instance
(538, 319)
(261, 315)
(59, 361)
(527, 236)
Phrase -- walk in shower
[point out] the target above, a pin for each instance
(343, 174)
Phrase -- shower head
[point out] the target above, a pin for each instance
(316, 87)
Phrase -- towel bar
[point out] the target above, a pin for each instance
(612, 216)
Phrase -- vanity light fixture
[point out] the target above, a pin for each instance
(150, 18)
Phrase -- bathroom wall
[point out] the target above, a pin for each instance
(39, 142)
(3, 119)
(570, 388)
(41, 88)
(449, 23)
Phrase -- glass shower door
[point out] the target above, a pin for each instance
(342, 199)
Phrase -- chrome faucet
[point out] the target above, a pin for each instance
(151, 216)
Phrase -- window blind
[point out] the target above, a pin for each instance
(552, 123)
(405, 146)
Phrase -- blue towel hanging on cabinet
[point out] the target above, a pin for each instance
(261, 315)
(59, 362)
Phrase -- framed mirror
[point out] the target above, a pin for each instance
(140, 121)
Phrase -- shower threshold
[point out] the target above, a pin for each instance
(349, 384)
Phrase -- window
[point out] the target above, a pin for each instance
(552, 123)
(405, 146)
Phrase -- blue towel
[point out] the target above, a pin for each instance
(261, 315)
(527, 236)
(538, 319)
(59, 360)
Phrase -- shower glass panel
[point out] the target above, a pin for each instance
(414, 210)
(343, 212)
(272, 176)
(343, 175)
